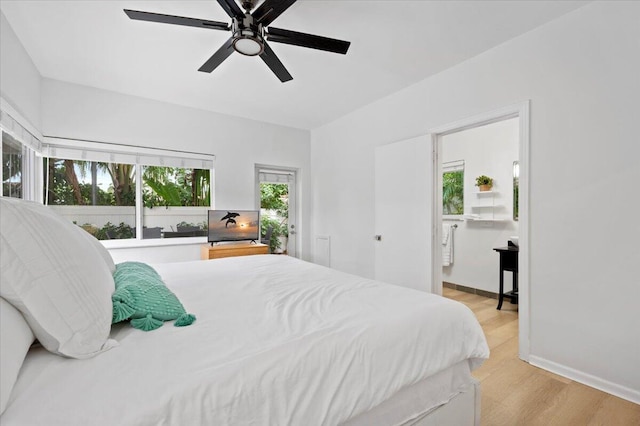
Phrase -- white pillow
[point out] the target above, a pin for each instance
(104, 253)
(56, 277)
(15, 339)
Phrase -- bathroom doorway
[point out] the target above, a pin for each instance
(478, 204)
(468, 223)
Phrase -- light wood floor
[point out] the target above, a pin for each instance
(516, 393)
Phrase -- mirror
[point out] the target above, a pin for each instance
(516, 187)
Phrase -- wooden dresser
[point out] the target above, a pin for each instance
(229, 250)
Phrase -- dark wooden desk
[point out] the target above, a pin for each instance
(508, 262)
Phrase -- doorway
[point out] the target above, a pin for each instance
(484, 215)
(477, 204)
(276, 197)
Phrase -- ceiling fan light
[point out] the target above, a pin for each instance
(248, 46)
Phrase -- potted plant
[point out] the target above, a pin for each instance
(484, 183)
(283, 238)
(279, 233)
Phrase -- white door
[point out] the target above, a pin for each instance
(403, 175)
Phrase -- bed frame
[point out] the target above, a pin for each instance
(462, 409)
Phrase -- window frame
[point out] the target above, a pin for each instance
(31, 168)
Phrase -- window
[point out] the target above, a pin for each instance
(11, 167)
(116, 192)
(99, 197)
(453, 188)
(176, 201)
(20, 165)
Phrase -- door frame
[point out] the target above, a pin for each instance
(521, 111)
(294, 205)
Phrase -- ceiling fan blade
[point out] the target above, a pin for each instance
(307, 40)
(176, 20)
(232, 8)
(270, 10)
(218, 57)
(272, 61)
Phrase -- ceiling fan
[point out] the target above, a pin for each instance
(250, 33)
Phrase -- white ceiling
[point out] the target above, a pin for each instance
(393, 44)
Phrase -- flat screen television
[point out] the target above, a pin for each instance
(234, 225)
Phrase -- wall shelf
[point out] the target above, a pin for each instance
(489, 206)
(456, 218)
(484, 208)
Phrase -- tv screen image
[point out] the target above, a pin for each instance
(234, 225)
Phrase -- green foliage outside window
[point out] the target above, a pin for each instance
(172, 186)
(201, 225)
(453, 192)
(516, 202)
(66, 188)
(163, 186)
(112, 232)
(275, 198)
(85, 183)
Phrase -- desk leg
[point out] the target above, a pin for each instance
(514, 298)
(501, 294)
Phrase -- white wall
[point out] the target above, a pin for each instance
(19, 77)
(581, 74)
(488, 150)
(80, 112)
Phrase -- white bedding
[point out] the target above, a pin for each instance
(277, 341)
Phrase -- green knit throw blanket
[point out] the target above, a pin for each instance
(142, 297)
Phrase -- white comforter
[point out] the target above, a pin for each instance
(277, 341)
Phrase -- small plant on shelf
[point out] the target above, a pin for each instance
(484, 183)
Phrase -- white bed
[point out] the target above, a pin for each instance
(277, 341)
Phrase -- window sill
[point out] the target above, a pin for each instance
(453, 217)
(153, 242)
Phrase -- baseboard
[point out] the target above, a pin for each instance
(587, 379)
